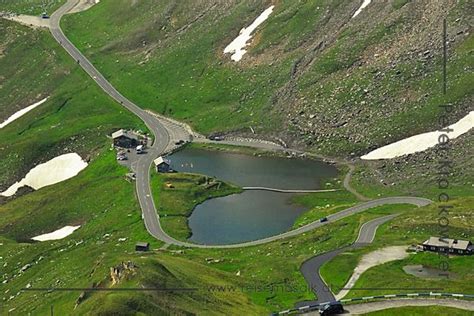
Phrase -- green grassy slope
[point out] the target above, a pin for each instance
(312, 75)
(174, 80)
(30, 7)
(77, 117)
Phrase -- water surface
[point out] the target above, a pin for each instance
(250, 215)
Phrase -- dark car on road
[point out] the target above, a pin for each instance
(216, 137)
(331, 309)
(179, 142)
(324, 219)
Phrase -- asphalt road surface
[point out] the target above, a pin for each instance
(163, 141)
(310, 268)
(363, 308)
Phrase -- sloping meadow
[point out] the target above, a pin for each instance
(77, 116)
(313, 74)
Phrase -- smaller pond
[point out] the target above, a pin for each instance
(242, 217)
(250, 215)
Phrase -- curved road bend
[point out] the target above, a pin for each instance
(310, 268)
(161, 141)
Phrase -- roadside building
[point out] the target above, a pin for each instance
(124, 139)
(142, 246)
(448, 245)
(162, 165)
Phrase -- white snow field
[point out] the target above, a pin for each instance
(22, 112)
(57, 234)
(421, 142)
(362, 6)
(238, 44)
(53, 171)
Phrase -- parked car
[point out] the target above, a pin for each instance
(179, 142)
(216, 137)
(324, 219)
(331, 309)
(121, 157)
(139, 149)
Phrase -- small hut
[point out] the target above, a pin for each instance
(142, 246)
(162, 165)
(124, 139)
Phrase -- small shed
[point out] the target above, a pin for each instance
(162, 164)
(125, 139)
(142, 246)
(448, 245)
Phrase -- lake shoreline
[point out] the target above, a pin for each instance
(242, 167)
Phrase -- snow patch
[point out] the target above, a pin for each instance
(362, 6)
(57, 234)
(53, 171)
(83, 5)
(421, 142)
(22, 112)
(238, 44)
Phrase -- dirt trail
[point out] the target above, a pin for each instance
(28, 20)
(347, 183)
(372, 259)
(84, 5)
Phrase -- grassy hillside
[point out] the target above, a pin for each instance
(31, 7)
(166, 55)
(313, 75)
(77, 117)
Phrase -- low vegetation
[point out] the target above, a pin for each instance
(77, 117)
(312, 75)
(325, 203)
(30, 7)
(168, 57)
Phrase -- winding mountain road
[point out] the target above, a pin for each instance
(162, 129)
(160, 143)
(310, 268)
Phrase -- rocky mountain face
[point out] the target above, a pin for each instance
(386, 82)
